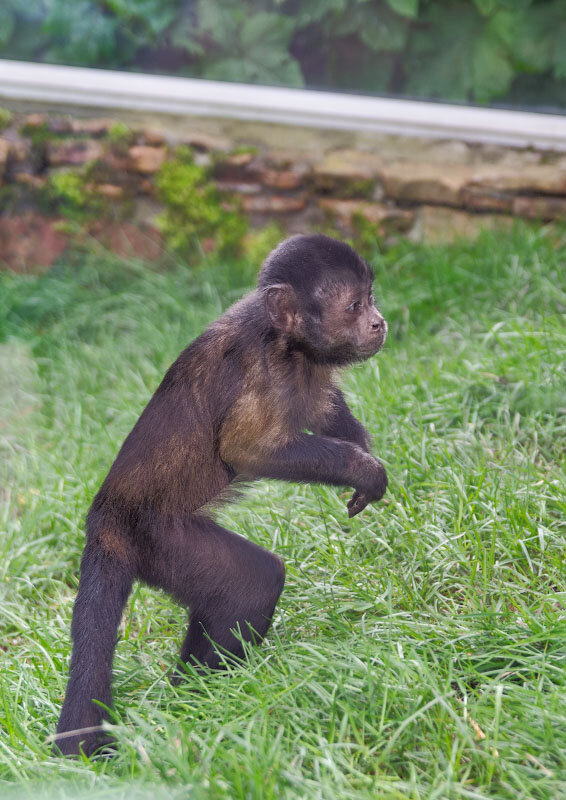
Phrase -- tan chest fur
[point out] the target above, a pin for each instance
(275, 405)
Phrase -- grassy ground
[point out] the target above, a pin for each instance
(418, 651)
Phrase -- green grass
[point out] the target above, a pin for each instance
(418, 651)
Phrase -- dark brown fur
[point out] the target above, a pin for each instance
(235, 403)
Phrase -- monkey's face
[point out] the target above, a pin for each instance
(341, 324)
(351, 328)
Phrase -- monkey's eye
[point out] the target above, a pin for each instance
(355, 307)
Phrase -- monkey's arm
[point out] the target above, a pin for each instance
(317, 459)
(340, 423)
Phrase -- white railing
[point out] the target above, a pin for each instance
(109, 89)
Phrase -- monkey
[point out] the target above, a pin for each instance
(254, 396)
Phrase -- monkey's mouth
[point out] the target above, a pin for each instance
(371, 349)
(375, 344)
(363, 350)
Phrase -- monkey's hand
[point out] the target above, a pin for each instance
(356, 504)
(370, 488)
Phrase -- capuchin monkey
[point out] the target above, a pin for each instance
(234, 406)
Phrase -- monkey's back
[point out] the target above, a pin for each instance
(169, 461)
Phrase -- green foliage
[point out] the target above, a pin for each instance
(195, 210)
(120, 134)
(81, 33)
(69, 193)
(146, 19)
(5, 118)
(248, 47)
(464, 50)
(365, 240)
(7, 24)
(468, 56)
(259, 243)
(407, 8)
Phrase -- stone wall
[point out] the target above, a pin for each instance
(425, 189)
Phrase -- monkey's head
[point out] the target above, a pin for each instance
(318, 295)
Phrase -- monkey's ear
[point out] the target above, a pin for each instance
(281, 306)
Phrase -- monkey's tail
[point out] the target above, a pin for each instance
(104, 586)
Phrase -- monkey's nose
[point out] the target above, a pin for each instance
(378, 324)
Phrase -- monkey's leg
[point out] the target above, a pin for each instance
(229, 583)
(103, 590)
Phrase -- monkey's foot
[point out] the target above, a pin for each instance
(92, 745)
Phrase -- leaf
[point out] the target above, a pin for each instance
(26, 41)
(155, 15)
(486, 7)
(382, 34)
(221, 20)
(269, 29)
(7, 25)
(492, 72)
(527, 34)
(558, 57)
(406, 8)
(82, 34)
(183, 37)
(380, 29)
(256, 49)
(311, 11)
(32, 9)
(440, 53)
(458, 56)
